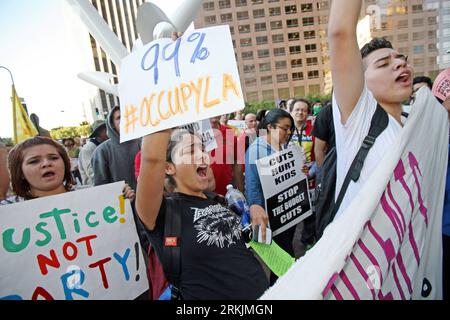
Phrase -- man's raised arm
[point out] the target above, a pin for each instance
(346, 63)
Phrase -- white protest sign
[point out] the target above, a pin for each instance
(238, 124)
(387, 244)
(170, 83)
(285, 189)
(204, 128)
(77, 245)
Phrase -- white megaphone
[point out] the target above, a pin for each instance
(152, 23)
(101, 80)
(149, 17)
(100, 30)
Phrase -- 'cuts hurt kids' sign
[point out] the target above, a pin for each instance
(170, 83)
(78, 245)
(285, 189)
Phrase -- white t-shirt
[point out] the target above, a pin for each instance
(349, 138)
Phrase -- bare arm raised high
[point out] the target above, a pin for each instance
(151, 178)
(346, 63)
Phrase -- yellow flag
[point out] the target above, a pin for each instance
(23, 127)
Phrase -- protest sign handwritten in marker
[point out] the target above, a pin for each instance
(170, 83)
(204, 128)
(76, 245)
(237, 125)
(285, 189)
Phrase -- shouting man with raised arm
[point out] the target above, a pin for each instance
(361, 79)
(385, 241)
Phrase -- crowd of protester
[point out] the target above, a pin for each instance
(154, 166)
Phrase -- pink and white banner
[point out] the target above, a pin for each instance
(388, 242)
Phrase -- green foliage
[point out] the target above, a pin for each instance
(70, 132)
(253, 107)
(319, 97)
(7, 141)
(84, 130)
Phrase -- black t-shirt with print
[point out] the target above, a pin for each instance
(215, 263)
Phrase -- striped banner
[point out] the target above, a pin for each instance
(387, 244)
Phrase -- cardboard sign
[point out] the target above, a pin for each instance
(285, 189)
(238, 125)
(170, 83)
(204, 128)
(77, 245)
(441, 85)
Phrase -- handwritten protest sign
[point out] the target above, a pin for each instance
(285, 189)
(77, 245)
(170, 83)
(204, 128)
(237, 125)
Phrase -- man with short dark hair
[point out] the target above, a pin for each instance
(361, 79)
(97, 136)
(114, 161)
(323, 131)
(422, 81)
(282, 105)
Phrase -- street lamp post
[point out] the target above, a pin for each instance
(10, 74)
(14, 110)
(14, 98)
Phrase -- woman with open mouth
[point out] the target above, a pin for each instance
(40, 167)
(214, 261)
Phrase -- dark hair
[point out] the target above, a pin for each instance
(68, 139)
(260, 115)
(273, 117)
(373, 45)
(307, 102)
(327, 103)
(420, 79)
(20, 185)
(282, 104)
(175, 137)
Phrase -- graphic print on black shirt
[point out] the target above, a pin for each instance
(216, 226)
(215, 262)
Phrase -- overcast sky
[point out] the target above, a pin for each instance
(41, 44)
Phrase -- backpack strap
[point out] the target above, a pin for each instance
(216, 198)
(379, 122)
(171, 253)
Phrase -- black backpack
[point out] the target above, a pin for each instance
(326, 207)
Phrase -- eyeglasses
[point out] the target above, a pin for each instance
(285, 129)
(68, 145)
